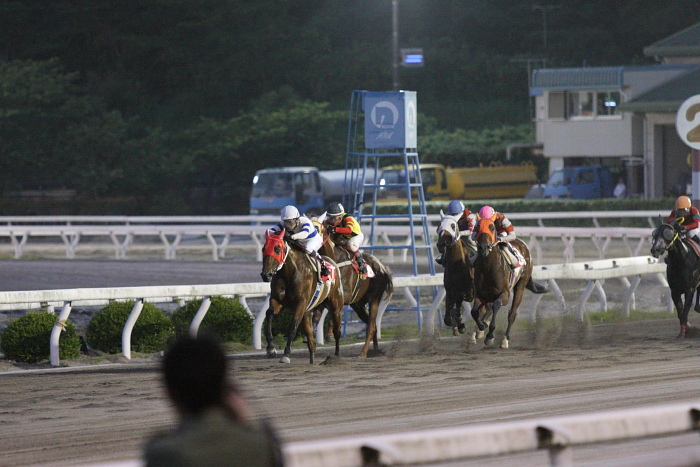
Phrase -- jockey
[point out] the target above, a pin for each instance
(300, 229)
(466, 221)
(505, 233)
(347, 231)
(688, 216)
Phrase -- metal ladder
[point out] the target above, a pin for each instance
(360, 187)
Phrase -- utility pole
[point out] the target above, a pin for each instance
(395, 44)
(545, 9)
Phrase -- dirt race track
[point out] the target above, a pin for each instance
(104, 412)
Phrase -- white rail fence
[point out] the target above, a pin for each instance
(595, 273)
(219, 231)
(558, 435)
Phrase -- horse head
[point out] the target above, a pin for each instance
(663, 238)
(448, 233)
(275, 252)
(485, 236)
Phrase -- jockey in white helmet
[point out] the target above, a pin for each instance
(300, 229)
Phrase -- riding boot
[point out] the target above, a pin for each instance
(697, 239)
(361, 262)
(324, 269)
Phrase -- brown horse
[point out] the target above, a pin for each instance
(458, 277)
(494, 280)
(294, 285)
(363, 295)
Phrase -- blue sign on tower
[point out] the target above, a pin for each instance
(390, 120)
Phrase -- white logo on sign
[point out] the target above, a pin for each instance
(380, 120)
(688, 122)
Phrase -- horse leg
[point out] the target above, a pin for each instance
(371, 332)
(274, 308)
(496, 305)
(513, 313)
(299, 313)
(697, 300)
(306, 321)
(677, 298)
(336, 312)
(683, 311)
(476, 315)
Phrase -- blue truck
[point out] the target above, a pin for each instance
(583, 182)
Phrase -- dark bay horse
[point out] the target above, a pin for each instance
(294, 285)
(458, 277)
(363, 295)
(683, 270)
(493, 283)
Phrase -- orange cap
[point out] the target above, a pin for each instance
(683, 202)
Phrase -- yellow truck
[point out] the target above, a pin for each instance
(495, 180)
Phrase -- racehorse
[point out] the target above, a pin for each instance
(683, 270)
(458, 277)
(295, 285)
(363, 295)
(494, 280)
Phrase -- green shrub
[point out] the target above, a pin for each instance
(151, 333)
(27, 339)
(226, 318)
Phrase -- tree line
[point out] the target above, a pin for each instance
(171, 105)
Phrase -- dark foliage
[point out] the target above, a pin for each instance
(27, 339)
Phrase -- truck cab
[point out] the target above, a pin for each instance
(276, 188)
(584, 182)
(393, 182)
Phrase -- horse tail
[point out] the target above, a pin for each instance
(384, 274)
(535, 288)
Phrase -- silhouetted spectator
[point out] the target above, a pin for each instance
(620, 189)
(215, 427)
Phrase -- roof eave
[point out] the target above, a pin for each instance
(672, 51)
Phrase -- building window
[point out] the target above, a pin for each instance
(607, 103)
(583, 104)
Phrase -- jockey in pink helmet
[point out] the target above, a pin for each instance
(505, 233)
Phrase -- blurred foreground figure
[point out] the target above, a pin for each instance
(215, 427)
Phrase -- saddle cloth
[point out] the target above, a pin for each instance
(693, 246)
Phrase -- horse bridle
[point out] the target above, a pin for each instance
(280, 263)
(672, 241)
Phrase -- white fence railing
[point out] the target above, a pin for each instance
(594, 272)
(123, 231)
(558, 435)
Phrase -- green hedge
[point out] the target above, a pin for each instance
(226, 318)
(27, 339)
(152, 331)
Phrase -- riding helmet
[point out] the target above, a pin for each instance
(486, 212)
(683, 202)
(455, 207)
(335, 209)
(290, 212)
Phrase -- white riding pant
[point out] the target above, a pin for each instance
(312, 244)
(354, 243)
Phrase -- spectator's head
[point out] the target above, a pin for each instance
(194, 370)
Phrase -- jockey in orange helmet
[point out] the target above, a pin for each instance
(687, 216)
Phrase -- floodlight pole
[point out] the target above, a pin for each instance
(395, 44)
(545, 9)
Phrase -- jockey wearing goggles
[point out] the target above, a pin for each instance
(466, 221)
(687, 216)
(346, 231)
(300, 229)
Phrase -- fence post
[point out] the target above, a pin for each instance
(129, 326)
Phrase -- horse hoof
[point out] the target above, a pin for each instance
(488, 342)
(285, 359)
(272, 354)
(472, 339)
(480, 335)
(454, 332)
(504, 343)
(462, 328)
